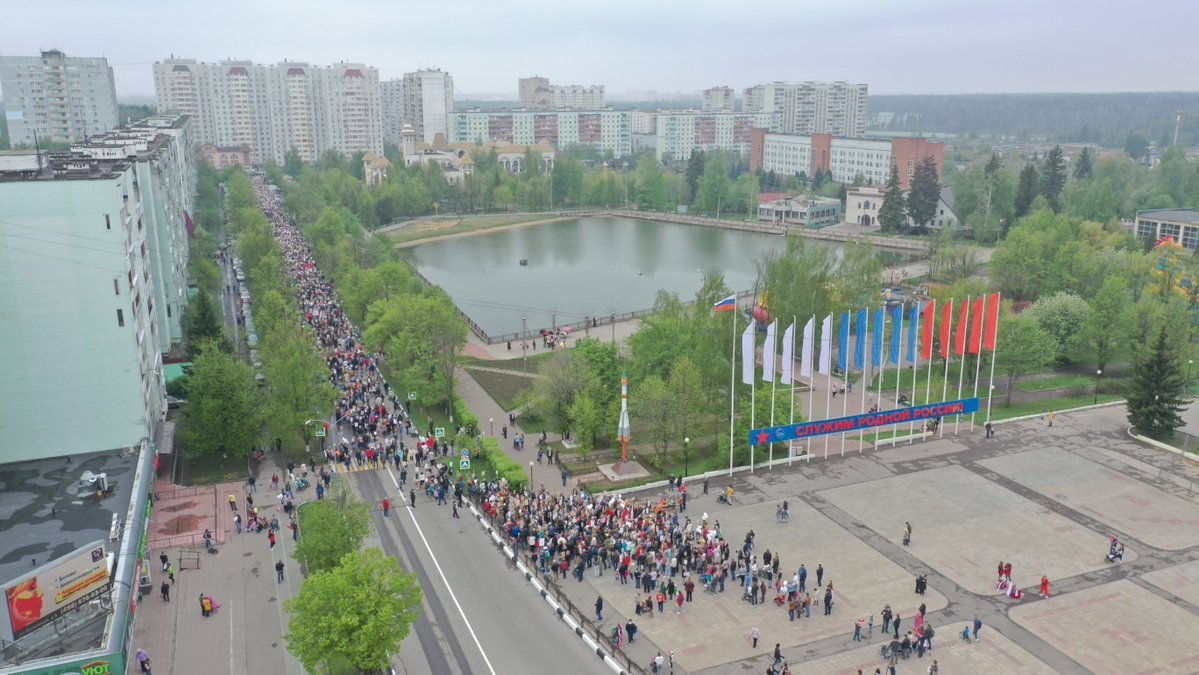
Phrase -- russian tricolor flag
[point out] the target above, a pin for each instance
(729, 304)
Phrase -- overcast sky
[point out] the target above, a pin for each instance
(912, 46)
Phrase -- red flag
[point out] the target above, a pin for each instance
(976, 325)
(959, 342)
(992, 321)
(946, 327)
(928, 317)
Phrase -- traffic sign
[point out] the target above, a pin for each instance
(464, 464)
(439, 432)
(465, 453)
(412, 396)
(320, 431)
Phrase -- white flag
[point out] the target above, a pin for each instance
(768, 353)
(826, 345)
(747, 354)
(809, 338)
(788, 354)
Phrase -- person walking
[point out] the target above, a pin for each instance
(454, 513)
(237, 522)
(164, 559)
(1052, 415)
(386, 507)
(233, 502)
(895, 624)
(679, 599)
(886, 613)
(143, 661)
(165, 589)
(630, 629)
(171, 573)
(907, 533)
(1044, 586)
(803, 579)
(599, 608)
(857, 629)
(978, 624)
(819, 576)
(754, 636)
(689, 587)
(270, 536)
(205, 606)
(279, 571)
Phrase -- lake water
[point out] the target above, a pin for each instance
(592, 266)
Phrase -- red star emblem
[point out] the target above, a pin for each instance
(763, 438)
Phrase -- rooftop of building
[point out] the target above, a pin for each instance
(98, 157)
(1185, 216)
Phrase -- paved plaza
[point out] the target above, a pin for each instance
(1045, 500)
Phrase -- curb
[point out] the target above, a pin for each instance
(1162, 446)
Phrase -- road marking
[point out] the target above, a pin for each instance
(442, 574)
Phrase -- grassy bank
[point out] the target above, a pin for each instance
(458, 226)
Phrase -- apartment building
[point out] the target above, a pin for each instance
(836, 108)
(604, 130)
(720, 99)
(393, 111)
(59, 98)
(96, 297)
(681, 133)
(428, 103)
(273, 109)
(844, 159)
(536, 93)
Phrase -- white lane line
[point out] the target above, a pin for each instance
(441, 573)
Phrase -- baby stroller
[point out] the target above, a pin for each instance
(301, 483)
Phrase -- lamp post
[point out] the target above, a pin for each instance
(1187, 390)
(1098, 374)
(686, 455)
(530, 475)
(491, 422)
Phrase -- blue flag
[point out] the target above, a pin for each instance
(859, 345)
(843, 346)
(912, 321)
(876, 348)
(897, 334)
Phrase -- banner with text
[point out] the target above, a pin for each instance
(932, 411)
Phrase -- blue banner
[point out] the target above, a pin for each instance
(931, 411)
(876, 349)
(896, 335)
(912, 324)
(859, 345)
(843, 346)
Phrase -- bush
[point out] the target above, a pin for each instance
(504, 465)
(463, 416)
(178, 387)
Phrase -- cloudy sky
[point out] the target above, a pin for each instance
(910, 46)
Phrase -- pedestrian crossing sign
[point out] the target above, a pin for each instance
(320, 431)
(439, 432)
(465, 453)
(464, 464)
(412, 396)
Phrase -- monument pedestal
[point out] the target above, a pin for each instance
(623, 470)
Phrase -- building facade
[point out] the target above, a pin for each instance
(681, 133)
(720, 99)
(847, 160)
(393, 111)
(814, 212)
(60, 98)
(1153, 225)
(428, 103)
(836, 108)
(604, 130)
(98, 296)
(862, 206)
(273, 109)
(536, 93)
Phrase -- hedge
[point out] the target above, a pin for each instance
(505, 466)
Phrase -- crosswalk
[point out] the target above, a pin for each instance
(355, 468)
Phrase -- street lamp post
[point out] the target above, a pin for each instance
(1187, 391)
(686, 455)
(530, 475)
(491, 422)
(1098, 374)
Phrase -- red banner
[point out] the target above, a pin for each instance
(976, 325)
(992, 320)
(929, 317)
(946, 328)
(959, 342)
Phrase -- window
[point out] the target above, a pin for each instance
(168, 311)
(107, 222)
(116, 286)
(120, 318)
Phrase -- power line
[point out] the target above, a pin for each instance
(73, 262)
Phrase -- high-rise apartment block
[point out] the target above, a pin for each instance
(93, 257)
(428, 97)
(60, 98)
(276, 108)
(837, 108)
(393, 111)
(536, 93)
(604, 130)
(681, 133)
(720, 99)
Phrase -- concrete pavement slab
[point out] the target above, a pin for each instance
(1180, 580)
(963, 525)
(1155, 517)
(1116, 628)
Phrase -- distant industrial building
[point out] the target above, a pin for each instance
(536, 93)
(836, 108)
(1153, 225)
(93, 260)
(846, 160)
(273, 109)
(681, 133)
(720, 99)
(59, 98)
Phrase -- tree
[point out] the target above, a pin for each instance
(1024, 347)
(355, 614)
(422, 335)
(202, 323)
(1083, 166)
(1136, 146)
(222, 411)
(293, 164)
(1110, 326)
(924, 194)
(654, 414)
(695, 170)
(559, 382)
(714, 187)
(299, 379)
(586, 419)
(1053, 177)
(332, 527)
(1155, 394)
(1062, 315)
(892, 213)
(1026, 190)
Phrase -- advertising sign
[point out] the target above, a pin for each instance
(63, 586)
(919, 413)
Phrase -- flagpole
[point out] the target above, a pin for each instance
(812, 387)
(898, 370)
(865, 386)
(828, 375)
(963, 325)
(845, 394)
(753, 407)
(773, 383)
(915, 347)
(991, 385)
(947, 352)
(978, 359)
(733, 384)
(791, 420)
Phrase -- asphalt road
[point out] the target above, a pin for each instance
(511, 628)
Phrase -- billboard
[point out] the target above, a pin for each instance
(38, 598)
(792, 432)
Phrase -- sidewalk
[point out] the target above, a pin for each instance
(485, 408)
(244, 636)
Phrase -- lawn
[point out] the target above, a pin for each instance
(504, 389)
(1056, 382)
(999, 412)
(515, 363)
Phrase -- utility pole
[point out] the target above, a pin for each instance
(524, 345)
(612, 320)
